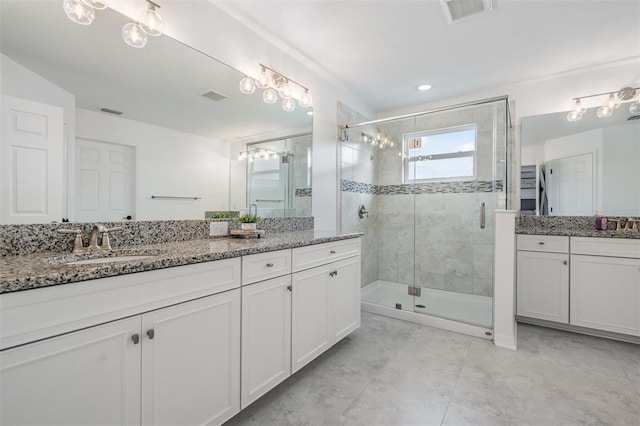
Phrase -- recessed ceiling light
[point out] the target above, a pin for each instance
(423, 87)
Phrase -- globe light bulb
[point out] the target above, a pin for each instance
(613, 103)
(305, 99)
(285, 90)
(604, 111)
(79, 12)
(133, 35)
(269, 95)
(247, 85)
(574, 116)
(634, 108)
(288, 104)
(577, 106)
(150, 21)
(263, 81)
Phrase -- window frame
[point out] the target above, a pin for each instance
(425, 133)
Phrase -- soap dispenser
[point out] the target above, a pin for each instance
(601, 221)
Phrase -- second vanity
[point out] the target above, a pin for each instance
(586, 281)
(189, 344)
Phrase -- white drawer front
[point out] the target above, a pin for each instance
(618, 247)
(30, 315)
(547, 243)
(321, 254)
(262, 266)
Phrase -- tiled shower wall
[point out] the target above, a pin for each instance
(426, 234)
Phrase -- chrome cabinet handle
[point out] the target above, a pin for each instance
(482, 216)
(269, 265)
(151, 333)
(135, 338)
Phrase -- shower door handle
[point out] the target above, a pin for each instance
(482, 216)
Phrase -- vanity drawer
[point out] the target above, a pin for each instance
(262, 266)
(321, 254)
(546, 243)
(618, 247)
(26, 316)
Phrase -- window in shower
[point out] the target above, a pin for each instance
(444, 154)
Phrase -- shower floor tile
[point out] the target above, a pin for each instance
(391, 372)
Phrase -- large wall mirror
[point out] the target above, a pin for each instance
(581, 168)
(150, 133)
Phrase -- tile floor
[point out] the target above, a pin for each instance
(391, 372)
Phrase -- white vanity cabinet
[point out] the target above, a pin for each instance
(179, 364)
(605, 284)
(326, 298)
(543, 277)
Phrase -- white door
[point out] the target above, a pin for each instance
(345, 297)
(89, 377)
(191, 362)
(310, 327)
(605, 293)
(570, 186)
(31, 162)
(104, 181)
(266, 336)
(543, 285)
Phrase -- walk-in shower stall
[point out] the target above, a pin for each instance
(423, 189)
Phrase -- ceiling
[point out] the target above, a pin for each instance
(383, 49)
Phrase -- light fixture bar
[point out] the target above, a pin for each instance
(605, 93)
(283, 76)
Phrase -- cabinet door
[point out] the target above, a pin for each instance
(543, 286)
(310, 328)
(89, 377)
(191, 362)
(605, 293)
(345, 297)
(266, 337)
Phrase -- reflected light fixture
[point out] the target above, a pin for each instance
(288, 104)
(275, 84)
(79, 11)
(247, 85)
(150, 21)
(423, 87)
(133, 35)
(611, 104)
(97, 4)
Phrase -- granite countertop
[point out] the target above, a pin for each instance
(577, 232)
(47, 269)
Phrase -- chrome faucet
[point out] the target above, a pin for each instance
(78, 245)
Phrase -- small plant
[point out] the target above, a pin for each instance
(249, 218)
(221, 215)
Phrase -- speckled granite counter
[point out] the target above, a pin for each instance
(570, 226)
(47, 269)
(578, 232)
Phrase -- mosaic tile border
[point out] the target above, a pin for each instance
(456, 187)
(304, 192)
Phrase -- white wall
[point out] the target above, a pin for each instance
(168, 162)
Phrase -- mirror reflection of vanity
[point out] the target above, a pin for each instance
(581, 168)
(171, 154)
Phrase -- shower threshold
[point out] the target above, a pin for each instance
(463, 313)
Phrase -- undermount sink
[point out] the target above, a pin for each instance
(108, 260)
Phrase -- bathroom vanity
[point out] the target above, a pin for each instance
(586, 281)
(202, 330)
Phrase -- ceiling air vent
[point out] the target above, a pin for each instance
(214, 96)
(634, 117)
(111, 111)
(456, 10)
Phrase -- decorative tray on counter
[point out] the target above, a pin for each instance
(239, 233)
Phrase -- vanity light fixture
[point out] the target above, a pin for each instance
(275, 84)
(611, 104)
(257, 154)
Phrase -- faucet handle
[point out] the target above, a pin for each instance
(628, 224)
(106, 243)
(78, 245)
